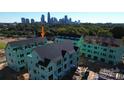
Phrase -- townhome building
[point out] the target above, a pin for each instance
(76, 40)
(102, 49)
(52, 61)
(17, 51)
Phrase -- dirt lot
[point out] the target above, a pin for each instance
(5, 40)
(5, 71)
(9, 39)
(92, 75)
(2, 55)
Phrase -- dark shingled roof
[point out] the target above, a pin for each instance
(63, 53)
(54, 51)
(27, 41)
(45, 63)
(104, 41)
(76, 48)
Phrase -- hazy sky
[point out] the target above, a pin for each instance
(93, 17)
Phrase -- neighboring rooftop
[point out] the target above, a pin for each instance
(55, 50)
(26, 41)
(104, 41)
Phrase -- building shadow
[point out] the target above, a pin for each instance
(97, 65)
(9, 74)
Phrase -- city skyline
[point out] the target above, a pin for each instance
(51, 20)
(90, 17)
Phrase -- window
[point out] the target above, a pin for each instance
(95, 57)
(19, 62)
(29, 46)
(95, 47)
(65, 59)
(12, 60)
(102, 59)
(89, 46)
(88, 51)
(59, 70)
(70, 56)
(89, 56)
(35, 71)
(111, 62)
(25, 47)
(22, 61)
(9, 54)
(83, 54)
(110, 56)
(35, 44)
(59, 62)
(95, 52)
(42, 68)
(40, 43)
(65, 66)
(111, 51)
(50, 69)
(15, 49)
(30, 75)
(42, 76)
(37, 65)
(28, 53)
(59, 77)
(77, 58)
(84, 45)
(20, 48)
(32, 45)
(74, 43)
(22, 68)
(83, 49)
(104, 49)
(71, 62)
(104, 54)
(21, 55)
(51, 77)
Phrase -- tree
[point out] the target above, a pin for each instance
(123, 39)
(118, 31)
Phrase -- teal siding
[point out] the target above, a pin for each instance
(103, 52)
(32, 60)
(97, 52)
(18, 58)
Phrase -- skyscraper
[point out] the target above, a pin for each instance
(66, 19)
(48, 18)
(43, 19)
(78, 21)
(32, 21)
(53, 20)
(70, 20)
(27, 20)
(23, 20)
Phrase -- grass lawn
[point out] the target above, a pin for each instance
(2, 45)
